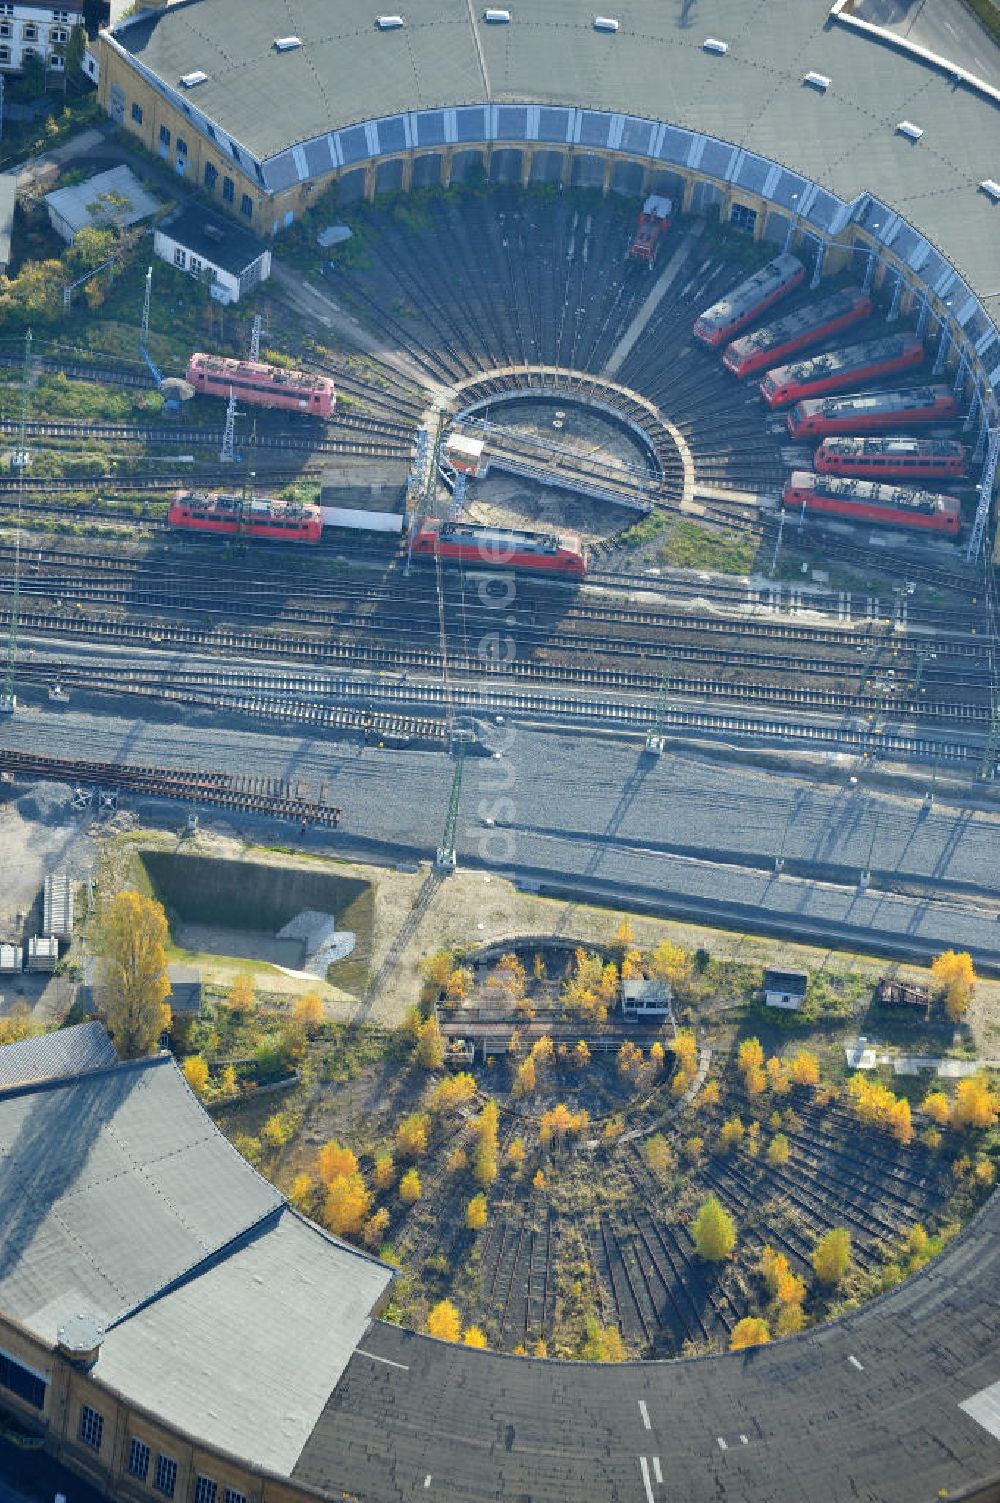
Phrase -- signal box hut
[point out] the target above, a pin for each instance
(10, 960)
(206, 246)
(644, 1000)
(43, 953)
(785, 989)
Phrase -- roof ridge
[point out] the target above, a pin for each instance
(30, 1087)
(203, 1264)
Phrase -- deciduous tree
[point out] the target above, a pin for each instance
(309, 1011)
(301, 1193)
(409, 1187)
(670, 963)
(474, 1337)
(412, 1135)
(196, 1073)
(376, 1227)
(832, 1256)
(714, 1232)
(790, 1318)
(134, 986)
(750, 1056)
(954, 981)
(581, 1055)
(335, 1161)
(517, 1154)
(657, 1154)
(778, 1151)
(385, 1171)
(348, 1202)
(804, 1068)
(751, 1331)
(444, 1321)
(429, 1050)
(975, 1106)
(730, 1134)
(242, 994)
(475, 1213)
(451, 1093)
(228, 1083)
(937, 1106)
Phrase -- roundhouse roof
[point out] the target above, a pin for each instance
(654, 67)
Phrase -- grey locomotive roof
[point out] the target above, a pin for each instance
(248, 1353)
(654, 67)
(68, 1051)
(113, 1184)
(221, 241)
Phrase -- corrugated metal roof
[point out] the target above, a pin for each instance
(69, 1051)
(247, 1354)
(112, 1185)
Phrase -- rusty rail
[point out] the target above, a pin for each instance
(269, 796)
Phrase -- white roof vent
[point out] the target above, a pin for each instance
(190, 79)
(909, 130)
(817, 81)
(712, 44)
(389, 23)
(991, 189)
(605, 23)
(497, 17)
(287, 44)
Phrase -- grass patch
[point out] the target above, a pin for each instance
(651, 526)
(691, 546)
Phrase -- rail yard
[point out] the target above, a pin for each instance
(550, 563)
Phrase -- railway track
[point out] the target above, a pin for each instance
(267, 796)
(375, 448)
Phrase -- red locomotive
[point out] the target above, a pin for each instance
(257, 517)
(500, 548)
(263, 385)
(650, 227)
(730, 314)
(867, 501)
(901, 458)
(846, 367)
(866, 412)
(755, 352)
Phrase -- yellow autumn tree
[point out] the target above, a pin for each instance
(428, 1052)
(581, 1054)
(444, 1321)
(385, 1171)
(302, 1189)
(196, 1073)
(474, 1337)
(623, 935)
(475, 1213)
(348, 1202)
(133, 986)
(832, 1256)
(412, 1135)
(714, 1232)
(309, 1011)
(449, 1094)
(375, 1228)
(409, 1187)
(975, 1106)
(954, 981)
(751, 1331)
(730, 1134)
(778, 1077)
(335, 1161)
(750, 1056)
(804, 1068)
(670, 963)
(790, 1318)
(778, 1151)
(686, 1051)
(937, 1106)
(517, 1154)
(242, 995)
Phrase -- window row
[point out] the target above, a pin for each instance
(164, 1481)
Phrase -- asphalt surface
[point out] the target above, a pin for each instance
(864, 1408)
(591, 814)
(946, 27)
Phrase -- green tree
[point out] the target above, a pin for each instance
(714, 1232)
(75, 49)
(133, 983)
(832, 1256)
